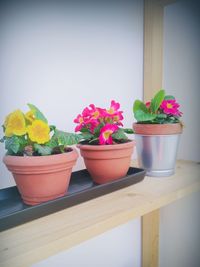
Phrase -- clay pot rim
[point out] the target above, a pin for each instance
(149, 129)
(106, 147)
(35, 159)
(156, 134)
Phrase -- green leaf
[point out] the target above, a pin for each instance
(142, 116)
(128, 130)
(12, 144)
(53, 142)
(84, 130)
(23, 142)
(67, 139)
(139, 105)
(119, 135)
(172, 118)
(98, 129)
(38, 114)
(169, 97)
(161, 116)
(3, 139)
(43, 150)
(157, 100)
(52, 128)
(86, 136)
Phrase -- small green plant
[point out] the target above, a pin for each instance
(161, 109)
(29, 134)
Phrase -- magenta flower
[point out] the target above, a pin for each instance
(114, 106)
(106, 134)
(113, 110)
(92, 124)
(80, 120)
(92, 112)
(170, 107)
(118, 118)
(88, 119)
(148, 104)
(113, 115)
(99, 123)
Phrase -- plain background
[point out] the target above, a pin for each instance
(180, 222)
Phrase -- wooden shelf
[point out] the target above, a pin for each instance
(34, 241)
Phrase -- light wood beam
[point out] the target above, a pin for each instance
(150, 239)
(153, 47)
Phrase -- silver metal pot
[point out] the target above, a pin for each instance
(157, 153)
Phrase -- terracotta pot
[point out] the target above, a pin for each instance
(157, 129)
(157, 146)
(106, 163)
(41, 178)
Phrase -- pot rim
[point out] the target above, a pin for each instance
(154, 135)
(130, 143)
(157, 129)
(7, 159)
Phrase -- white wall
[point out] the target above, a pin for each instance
(181, 69)
(119, 247)
(61, 56)
(179, 226)
(179, 233)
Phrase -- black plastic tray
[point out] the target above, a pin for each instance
(14, 212)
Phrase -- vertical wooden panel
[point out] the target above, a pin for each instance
(153, 47)
(153, 76)
(153, 69)
(150, 239)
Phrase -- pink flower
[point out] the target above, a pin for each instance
(114, 106)
(118, 118)
(88, 119)
(78, 128)
(113, 115)
(80, 120)
(86, 112)
(106, 134)
(92, 124)
(92, 112)
(100, 122)
(148, 104)
(170, 107)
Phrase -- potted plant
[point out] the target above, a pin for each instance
(157, 133)
(104, 146)
(38, 155)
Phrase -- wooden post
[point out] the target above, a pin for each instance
(153, 47)
(150, 239)
(153, 77)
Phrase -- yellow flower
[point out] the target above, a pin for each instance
(8, 132)
(38, 132)
(6, 121)
(30, 116)
(15, 124)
